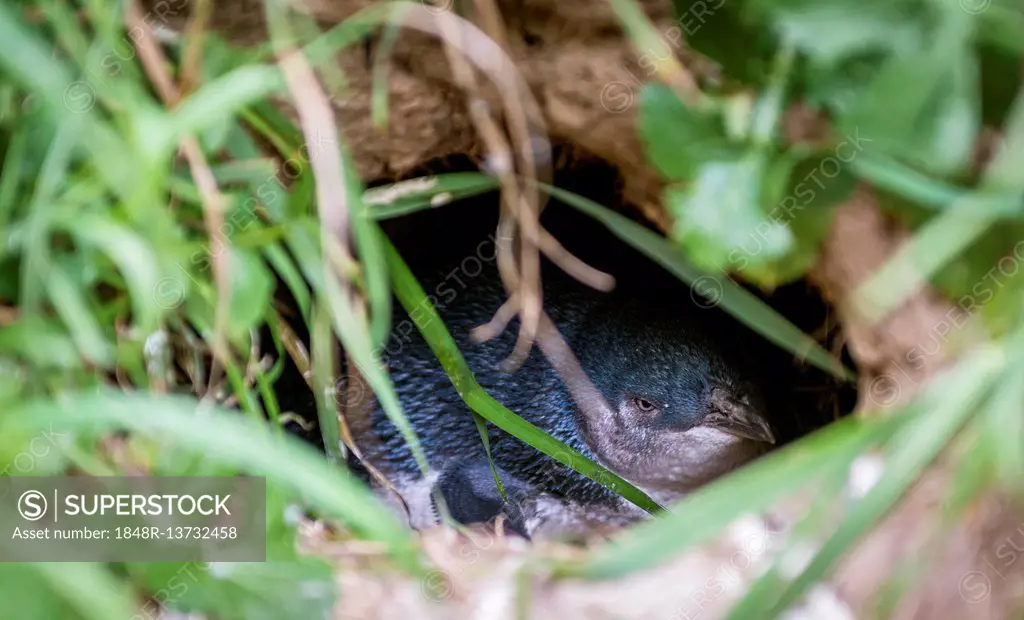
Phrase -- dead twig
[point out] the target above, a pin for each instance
(316, 117)
(154, 63)
(520, 202)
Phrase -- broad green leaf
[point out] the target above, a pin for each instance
(831, 30)
(678, 139)
(719, 219)
(730, 33)
(806, 190)
(922, 108)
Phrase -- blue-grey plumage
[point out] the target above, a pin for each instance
(674, 407)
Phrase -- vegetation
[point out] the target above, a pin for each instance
(151, 196)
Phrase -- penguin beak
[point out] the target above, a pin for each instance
(736, 417)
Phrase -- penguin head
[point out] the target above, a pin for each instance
(670, 405)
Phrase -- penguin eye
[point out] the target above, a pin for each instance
(644, 405)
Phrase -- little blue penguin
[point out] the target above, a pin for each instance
(679, 408)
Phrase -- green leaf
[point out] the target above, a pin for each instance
(41, 341)
(729, 33)
(288, 584)
(801, 193)
(914, 187)
(31, 595)
(923, 108)
(831, 30)
(323, 349)
(285, 267)
(1002, 23)
(719, 219)
(678, 139)
(374, 282)
(301, 588)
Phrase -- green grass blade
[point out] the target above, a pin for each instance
(698, 518)
(218, 100)
(351, 327)
(407, 197)
(285, 267)
(10, 181)
(88, 588)
(270, 123)
(890, 174)
(355, 28)
(734, 299)
(912, 448)
(324, 371)
(133, 257)
(375, 282)
(227, 438)
(38, 221)
(932, 247)
(481, 427)
(818, 516)
(1004, 426)
(412, 297)
(28, 59)
(85, 330)
(946, 235)
(304, 242)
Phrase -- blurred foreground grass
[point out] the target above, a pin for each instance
(126, 263)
